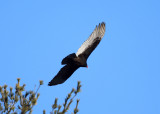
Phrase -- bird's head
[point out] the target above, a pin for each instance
(84, 65)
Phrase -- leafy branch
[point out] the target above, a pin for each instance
(22, 101)
(56, 109)
(19, 101)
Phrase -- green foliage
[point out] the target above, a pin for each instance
(56, 109)
(21, 101)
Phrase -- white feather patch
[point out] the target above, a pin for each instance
(98, 33)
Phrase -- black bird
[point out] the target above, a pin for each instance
(74, 61)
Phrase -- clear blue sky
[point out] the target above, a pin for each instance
(124, 71)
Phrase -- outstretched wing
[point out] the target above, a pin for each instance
(63, 74)
(91, 43)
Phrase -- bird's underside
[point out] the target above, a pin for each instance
(73, 61)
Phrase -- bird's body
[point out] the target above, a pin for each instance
(73, 61)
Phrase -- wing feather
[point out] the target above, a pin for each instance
(63, 74)
(91, 43)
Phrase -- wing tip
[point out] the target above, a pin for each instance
(49, 84)
(103, 23)
(101, 29)
(52, 84)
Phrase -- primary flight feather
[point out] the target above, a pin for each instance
(74, 61)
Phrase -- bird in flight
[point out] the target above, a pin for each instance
(73, 61)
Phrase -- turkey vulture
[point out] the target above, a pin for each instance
(73, 61)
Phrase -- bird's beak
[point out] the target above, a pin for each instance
(87, 66)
